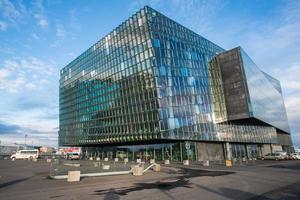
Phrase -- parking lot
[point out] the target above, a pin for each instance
(264, 180)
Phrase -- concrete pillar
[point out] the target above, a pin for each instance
(228, 151)
(181, 159)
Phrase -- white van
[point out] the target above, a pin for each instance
(25, 154)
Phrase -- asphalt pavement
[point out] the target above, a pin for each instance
(263, 180)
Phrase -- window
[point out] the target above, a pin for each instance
(184, 71)
(156, 43)
(162, 71)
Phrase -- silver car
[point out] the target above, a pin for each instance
(295, 156)
(273, 156)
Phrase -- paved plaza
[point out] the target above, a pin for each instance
(264, 180)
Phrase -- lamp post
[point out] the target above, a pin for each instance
(25, 139)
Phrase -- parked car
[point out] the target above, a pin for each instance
(73, 156)
(289, 157)
(295, 156)
(284, 153)
(25, 154)
(273, 156)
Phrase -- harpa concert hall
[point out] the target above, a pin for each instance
(153, 89)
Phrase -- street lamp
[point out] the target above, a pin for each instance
(25, 139)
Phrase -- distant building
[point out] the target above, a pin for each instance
(8, 149)
(47, 150)
(152, 88)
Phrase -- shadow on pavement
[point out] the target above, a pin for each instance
(293, 166)
(3, 185)
(179, 180)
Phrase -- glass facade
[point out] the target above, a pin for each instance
(174, 151)
(108, 93)
(181, 80)
(266, 101)
(145, 90)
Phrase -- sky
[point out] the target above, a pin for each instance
(38, 38)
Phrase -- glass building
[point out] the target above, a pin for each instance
(153, 89)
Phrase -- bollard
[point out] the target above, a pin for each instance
(156, 168)
(96, 164)
(137, 170)
(167, 162)
(73, 176)
(186, 162)
(152, 161)
(228, 163)
(138, 160)
(105, 167)
(125, 160)
(91, 158)
(116, 159)
(105, 159)
(206, 163)
(97, 158)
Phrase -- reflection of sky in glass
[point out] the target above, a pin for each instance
(143, 81)
(265, 97)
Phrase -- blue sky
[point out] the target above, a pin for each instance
(38, 38)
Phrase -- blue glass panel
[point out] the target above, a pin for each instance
(184, 71)
(162, 71)
(156, 43)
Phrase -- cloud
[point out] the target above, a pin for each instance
(15, 13)
(16, 74)
(6, 50)
(290, 82)
(39, 14)
(10, 11)
(35, 36)
(193, 14)
(75, 26)
(3, 26)
(60, 31)
(12, 133)
(72, 55)
(270, 40)
(41, 21)
(9, 129)
(21, 104)
(60, 34)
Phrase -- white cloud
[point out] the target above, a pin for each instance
(60, 31)
(9, 10)
(30, 86)
(60, 34)
(72, 55)
(196, 15)
(35, 36)
(289, 76)
(33, 122)
(290, 81)
(41, 21)
(16, 74)
(39, 14)
(3, 26)
(75, 26)
(12, 13)
(15, 13)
